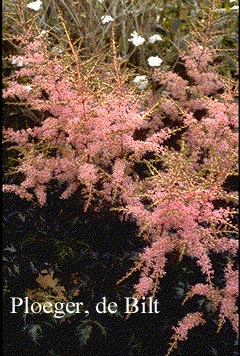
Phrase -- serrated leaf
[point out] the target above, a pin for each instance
(34, 331)
(16, 269)
(84, 332)
(101, 327)
(10, 249)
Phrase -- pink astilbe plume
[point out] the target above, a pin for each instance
(176, 205)
(229, 302)
(198, 67)
(190, 321)
(225, 300)
(83, 129)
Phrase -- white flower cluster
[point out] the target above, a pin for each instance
(43, 33)
(154, 38)
(141, 81)
(28, 87)
(106, 19)
(18, 61)
(35, 5)
(136, 39)
(154, 61)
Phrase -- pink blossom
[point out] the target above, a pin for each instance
(190, 321)
(88, 174)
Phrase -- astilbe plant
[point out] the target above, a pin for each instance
(178, 206)
(95, 134)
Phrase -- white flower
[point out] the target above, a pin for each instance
(235, 7)
(136, 39)
(101, 1)
(154, 38)
(141, 80)
(18, 61)
(28, 87)
(106, 19)
(221, 10)
(154, 61)
(35, 5)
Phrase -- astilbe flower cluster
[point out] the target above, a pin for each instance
(93, 140)
(86, 130)
(181, 211)
(190, 321)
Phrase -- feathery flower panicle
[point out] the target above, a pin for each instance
(229, 303)
(174, 84)
(88, 174)
(19, 190)
(144, 285)
(17, 90)
(118, 171)
(190, 321)
(198, 68)
(169, 107)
